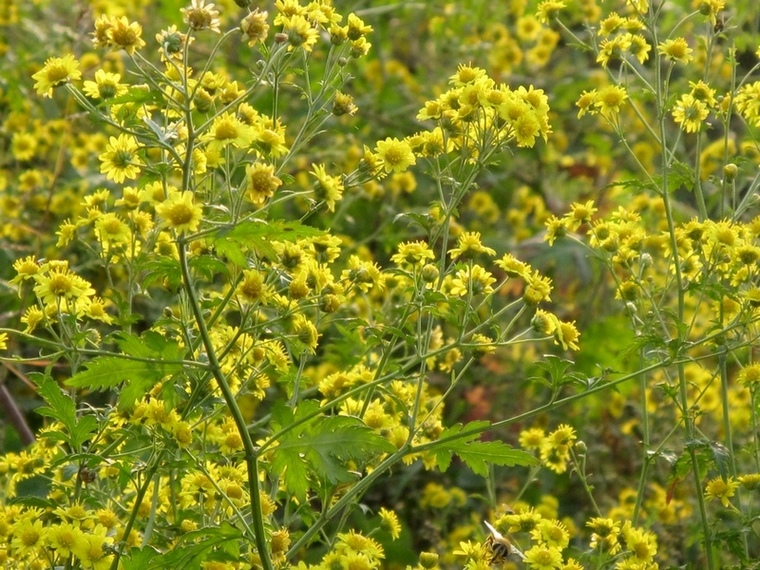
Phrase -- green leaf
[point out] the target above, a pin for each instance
(62, 408)
(257, 235)
(321, 448)
(162, 270)
(158, 359)
(477, 455)
(208, 543)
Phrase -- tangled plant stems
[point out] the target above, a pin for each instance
(230, 365)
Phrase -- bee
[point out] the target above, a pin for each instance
(500, 548)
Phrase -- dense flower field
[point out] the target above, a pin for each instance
(391, 284)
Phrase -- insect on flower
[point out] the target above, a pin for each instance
(499, 547)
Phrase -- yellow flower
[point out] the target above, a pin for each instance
(60, 283)
(55, 72)
(120, 160)
(676, 50)
(613, 50)
(396, 155)
(750, 376)
(261, 182)
(23, 146)
(28, 536)
(126, 35)
(537, 289)
(356, 27)
(542, 557)
(690, 113)
(3, 341)
(721, 489)
(255, 27)
(93, 549)
(201, 16)
(549, 10)
(566, 335)
(227, 130)
(62, 537)
(472, 280)
(180, 212)
(609, 99)
(389, 522)
(415, 253)
(328, 189)
(105, 86)
(469, 244)
(299, 32)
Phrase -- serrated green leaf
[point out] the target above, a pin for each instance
(60, 406)
(478, 455)
(257, 235)
(321, 448)
(107, 372)
(193, 548)
(162, 270)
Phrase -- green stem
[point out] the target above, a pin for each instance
(251, 459)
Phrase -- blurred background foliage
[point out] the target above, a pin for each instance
(48, 162)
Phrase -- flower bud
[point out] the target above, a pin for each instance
(428, 560)
(430, 273)
(730, 171)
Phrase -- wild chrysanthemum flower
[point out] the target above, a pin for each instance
(255, 27)
(605, 535)
(548, 10)
(120, 160)
(676, 50)
(327, 188)
(343, 104)
(749, 376)
(126, 35)
(543, 557)
(748, 102)
(299, 32)
(721, 489)
(614, 49)
(55, 72)
(586, 102)
(473, 280)
(261, 182)
(389, 522)
(567, 335)
(62, 537)
(180, 212)
(356, 27)
(23, 146)
(556, 228)
(414, 254)
(641, 544)
(59, 282)
(172, 43)
(537, 289)
(609, 99)
(690, 113)
(396, 155)
(26, 268)
(228, 130)
(106, 86)
(110, 230)
(93, 549)
(552, 533)
(640, 48)
(469, 244)
(513, 267)
(201, 16)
